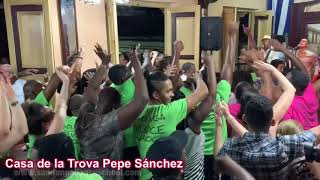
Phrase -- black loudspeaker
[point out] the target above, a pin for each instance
(204, 3)
(211, 33)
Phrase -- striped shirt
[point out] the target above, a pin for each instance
(194, 165)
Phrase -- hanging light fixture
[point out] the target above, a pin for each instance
(122, 1)
(92, 2)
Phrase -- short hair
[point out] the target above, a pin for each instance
(241, 88)
(280, 38)
(55, 146)
(298, 79)
(29, 90)
(155, 80)
(239, 76)
(4, 60)
(125, 56)
(107, 99)
(167, 60)
(36, 115)
(75, 104)
(187, 66)
(289, 127)
(245, 98)
(259, 113)
(119, 73)
(275, 63)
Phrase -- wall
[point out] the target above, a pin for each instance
(216, 9)
(91, 25)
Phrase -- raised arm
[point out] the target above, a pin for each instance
(198, 95)
(19, 127)
(293, 58)
(5, 116)
(178, 47)
(57, 123)
(236, 126)
(285, 100)
(93, 89)
(52, 86)
(219, 139)
(251, 42)
(203, 110)
(128, 113)
(227, 69)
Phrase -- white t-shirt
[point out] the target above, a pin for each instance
(18, 89)
(194, 165)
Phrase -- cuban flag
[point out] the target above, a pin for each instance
(282, 14)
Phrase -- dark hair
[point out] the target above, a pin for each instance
(108, 99)
(125, 56)
(119, 74)
(75, 104)
(298, 79)
(167, 60)
(187, 66)
(55, 146)
(36, 115)
(155, 80)
(280, 38)
(239, 76)
(83, 82)
(277, 62)
(29, 89)
(259, 113)
(245, 98)
(241, 88)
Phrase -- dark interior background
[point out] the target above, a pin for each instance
(4, 50)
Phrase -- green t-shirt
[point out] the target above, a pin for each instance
(32, 140)
(84, 176)
(186, 91)
(157, 121)
(209, 124)
(41, 99)
(126, 90)
(69, 130)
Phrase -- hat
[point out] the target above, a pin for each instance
(266, 37)
(169, 148)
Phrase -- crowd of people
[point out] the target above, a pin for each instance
(153, 108)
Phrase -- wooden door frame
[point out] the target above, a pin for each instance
(300, 20)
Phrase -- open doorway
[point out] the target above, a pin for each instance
(243, 19)
(4, 48)
(140, 25)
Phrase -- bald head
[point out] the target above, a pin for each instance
(75, 103)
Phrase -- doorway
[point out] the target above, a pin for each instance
(4, 48)
(140, 25)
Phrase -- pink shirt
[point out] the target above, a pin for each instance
(304, 108)
(234, 109)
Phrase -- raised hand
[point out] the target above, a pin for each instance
(103, 54)
(233, 28)
(171, 70)
(218, 115)
(263, 66)
(178, 46)
(246, 30)
(63, 72)
(88, 75)
(251, 56)
(77, 54)
(154, 55)
(276, 45)
(146, 55)
(223, 108)
(28, 72)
